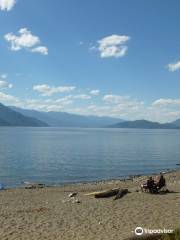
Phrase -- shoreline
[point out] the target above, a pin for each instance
(105, 180)
(121, 179)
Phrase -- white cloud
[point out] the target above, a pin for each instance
(110, 98)
(174, 66)
(126, 110)
(81, 96)
(114, 106)
(113, 46)
(165, 102)
(63, 101)
(4, 85)
(125, 107)
(25, 40)
(48, 105)
(41, 49)
(95, 92)
(8, 99)
(7, 5)
(47, 90)
(59, 104)
(174, 114)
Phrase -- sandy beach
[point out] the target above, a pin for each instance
(49, 213)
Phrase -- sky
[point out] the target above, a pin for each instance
(117, 58)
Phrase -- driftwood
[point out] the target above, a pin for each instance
(121, 193)
(102, 191)
(113, 192)
(109, 193)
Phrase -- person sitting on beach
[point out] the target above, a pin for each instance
(151, 185)
(161, 182)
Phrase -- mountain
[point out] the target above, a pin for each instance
(63, 119)
(14, 116)
(4, 123)
(9, 117)
(144, 124)
(176, 123)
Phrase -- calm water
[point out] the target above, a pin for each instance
(60, 155)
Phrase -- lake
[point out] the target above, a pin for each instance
(63, 155)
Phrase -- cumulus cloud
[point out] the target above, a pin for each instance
(111, 105)
(7, 5)
(128, 110)
(25, 40)
(110, 98)
(124, 106)
(4, 85)
(59, 104)
(8, 99)
(166, 102)
(123, 102)
(41, 49)
(174, 66)
(82, 96)
(95, 92)
(113, 46)
(47, 90)
(48, 105)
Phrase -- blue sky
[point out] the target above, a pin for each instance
(117, 58)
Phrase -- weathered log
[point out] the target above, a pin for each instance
(97, 192)
(121, 193)
(108, 193)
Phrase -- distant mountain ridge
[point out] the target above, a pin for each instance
(63, 119)
(144, 124)
(14, 116)
(3, 123)
(177, 123)
(9, 117)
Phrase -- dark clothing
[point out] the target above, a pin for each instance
(151, 186)
(161, 183)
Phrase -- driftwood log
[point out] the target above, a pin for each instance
(108, 193)
(113, 192)
(121, 193)
(102, 191)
